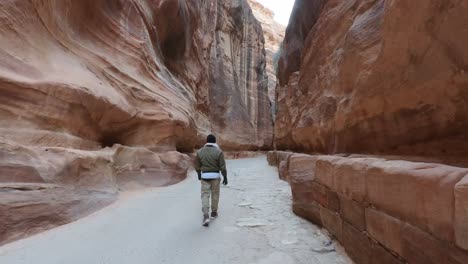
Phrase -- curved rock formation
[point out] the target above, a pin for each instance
(159, 74)
(375, 77)
(96, 96)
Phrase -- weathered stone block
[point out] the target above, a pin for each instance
(302, 167)
(380, 255)
(320, 194)
(332, 222)
(309, 211)
(461, 213)
(353, 213)
(418, 193)
(350, 177)
(357, 244)
(420, 247)
(385, 229)
(283, 155)
(272, 158)
(283, 170)
(325, 170)
(275, 157)
(304, 204)
(333, 201)
(302, 192)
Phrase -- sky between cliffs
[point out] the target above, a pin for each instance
(281, 8)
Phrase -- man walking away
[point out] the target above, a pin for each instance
(208, 163)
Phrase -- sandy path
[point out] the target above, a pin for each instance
(256, 225)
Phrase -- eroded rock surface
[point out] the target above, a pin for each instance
(140, 73)
(274, 35)
(98, 96)
(375, 76)
(383, 211)
(387, 78)
(54, 186)
(27, 209)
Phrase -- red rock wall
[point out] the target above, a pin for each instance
(149, 78)
(384, 211)
(375, 77)
(238, 106)
(274, 35)
(157, 74)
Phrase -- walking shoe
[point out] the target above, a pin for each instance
(206, 220)
(214, 214)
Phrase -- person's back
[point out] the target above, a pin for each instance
(209, 162)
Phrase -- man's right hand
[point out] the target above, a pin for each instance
(225, 181)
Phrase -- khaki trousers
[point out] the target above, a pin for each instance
(210, 188)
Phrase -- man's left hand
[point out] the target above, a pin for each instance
(225, 181)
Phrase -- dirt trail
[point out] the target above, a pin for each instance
(256, 225)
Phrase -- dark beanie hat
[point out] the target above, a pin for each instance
(211, 139)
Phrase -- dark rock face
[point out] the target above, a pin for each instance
(98, 96)
(303, 17)
(375, 77)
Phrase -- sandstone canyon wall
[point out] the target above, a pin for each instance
(274, 35)
(139, 73)
(387, 78)
(375, 77)
(98, 96)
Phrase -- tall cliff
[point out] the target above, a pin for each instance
(274, 35)
(96, 96)
(138, 73)
(383, 77)
(375, 77)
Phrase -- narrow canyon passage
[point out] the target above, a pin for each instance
(362, 105)
(256, 225)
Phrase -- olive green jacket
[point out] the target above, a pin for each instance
(210, 159)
